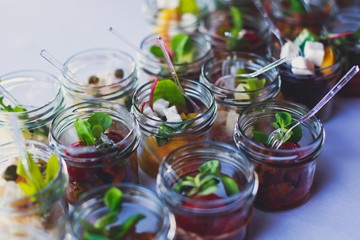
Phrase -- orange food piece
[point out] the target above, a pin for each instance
(328, 60)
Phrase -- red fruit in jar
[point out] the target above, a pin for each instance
(289, 146)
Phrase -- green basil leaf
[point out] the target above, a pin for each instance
(236, 18)
(100, 119)
(283, 118)
(92, 236)
(187, 6)
(296, 134)
(211, 167)
(182, 45)
(260, 137)
(83, 129)
(96, 131)
(91, 229)
(296, 6)
(113, 199)
(167, 89)
(230, 185)
(52, 168)
(122, 230)
(106, 220)
(209, 188)
(156, 51)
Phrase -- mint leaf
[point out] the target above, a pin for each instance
(121, 231)
(168, 90)
(182, 45)
(9, 108)
(166, 131)
(296, 6)
(210, 167)
(296, 134)
(93, 236)
(283, 118)
(230, 185)
(156, 51)
(83, 129)
(260, 137)
(113, 198)
(100, 119)
(237, 19)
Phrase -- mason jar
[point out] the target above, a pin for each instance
(155, 67)
(104, 73)
(347, 20)
(292, 19)
(308, 89)
(168, 15)
(22, 232)
(286, 174)
(255, 33)
(216, 215)
(230, 100)
(41, 95)
(45, 209)
(159, 222)
(150, 152)
(92, 166)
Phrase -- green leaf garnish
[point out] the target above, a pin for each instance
(102, 229)
(9, 108)
(182, 45)
(168, 90)
(253, 84)
(165, 131)
(156, 51)
(304, 36)
(283, 123)
(206, 181)
(236, 17)
(187, 6)
(90, 131)
(34, 178)
(296, 6)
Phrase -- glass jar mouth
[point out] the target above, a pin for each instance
(22, 77)
(199, 41)
(241, 57)
(94, 54)
(191, 88)
(34, 202)
(179, 157)
(67, 116)
(130, 191)
(279, 156)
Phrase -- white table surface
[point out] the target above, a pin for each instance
(64, 27)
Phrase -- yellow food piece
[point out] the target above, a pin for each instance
(329, 59)
(188, 116)
(165, 16)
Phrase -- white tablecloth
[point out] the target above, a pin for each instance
(64, 27)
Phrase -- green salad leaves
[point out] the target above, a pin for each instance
(206, 181)
(103, 229)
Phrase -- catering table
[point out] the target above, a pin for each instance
(64, 27)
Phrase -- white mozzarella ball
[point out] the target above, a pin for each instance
(302, 66)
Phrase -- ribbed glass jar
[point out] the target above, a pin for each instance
(150, 154)
(285, 175)
(46, 209)
(230, 101)
(213, 216)
(89, 166)
(40, 93)
(104, 73)
(159, 222)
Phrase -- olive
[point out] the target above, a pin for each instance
(119, 73)
(93, 80)
(10, 173)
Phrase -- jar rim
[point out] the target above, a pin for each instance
(99, 51)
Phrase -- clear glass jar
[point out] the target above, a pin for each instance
(231, 102)
(292, 20)
(150, 154)
(40, 93)
(347, 20)
(155, 67)
(311, 88)
(285, 175)
(256, 32)
(22, 232)
(243, 5)
(168, 15)
(104, 73)
(90, 167)
(159, 221)
(224, 217)
(45, 209)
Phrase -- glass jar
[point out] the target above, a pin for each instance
(243, 5)
(254, 36)
(40, 93)
(104, 73)
(158, 221)
(347, 21)
(311, 88)
(285, 175)
(291, 20)
(222, 217)
(150, 154)
(89, 166)
(156, 67)
(231, 102)
(168, 15)
(46, 209)
(22, 232)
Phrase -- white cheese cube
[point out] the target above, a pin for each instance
(289, 48)
(172, 114)
(149, 112)
(160, 105)
(241, 87)
(314, 51)
(302, 66)
(231, 120)
(188, 21)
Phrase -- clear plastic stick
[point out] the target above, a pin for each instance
(8, 96)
